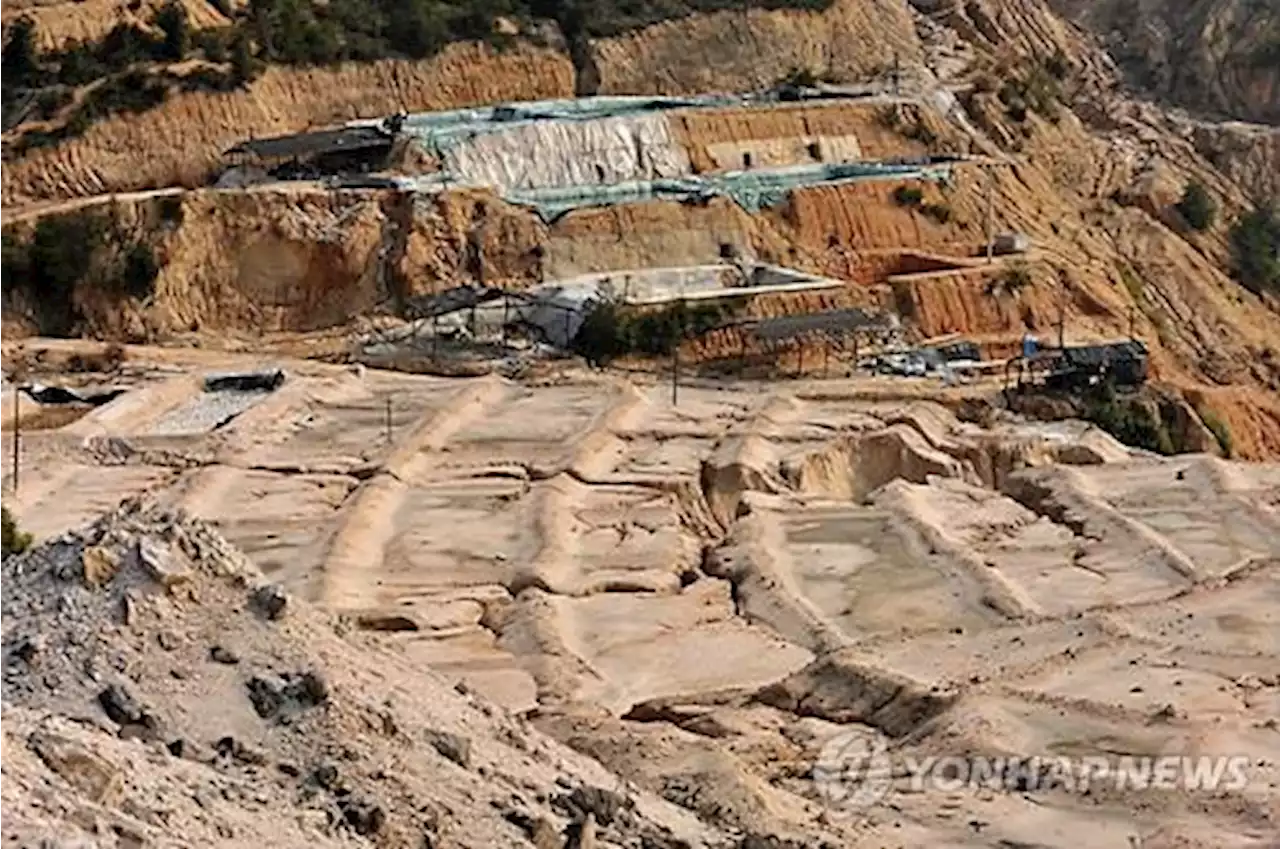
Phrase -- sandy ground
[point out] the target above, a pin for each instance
(704, 595)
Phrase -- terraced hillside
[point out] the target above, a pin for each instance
(701, 596)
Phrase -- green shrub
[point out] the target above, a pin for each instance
(78, 64)
(127, 44)
(1035, 90)
(243, 66)
(20, 64)
(12, 540)
(908, 196)
(70, 250)
(1017, 276)
(171, 209)
(51, 101)
(171, 18)
(611, 330)
(799, 77)
(133, 91)
(1220, 432)
(939, 212)
(1058, 65)
(1128, 420)
(58, 257)
(212, 44)
(140, 271)
(1197, 206)
(14, 265)
(1255, 249)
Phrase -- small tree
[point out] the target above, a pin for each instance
(1255, 249)
(1197, 206)
(138, 278)
(12, 540)
(243, 67)
(171, 18)
(19, 64)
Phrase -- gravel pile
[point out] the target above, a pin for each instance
(205, 412)
(158, 691)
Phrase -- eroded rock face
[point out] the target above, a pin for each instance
(1217, 56)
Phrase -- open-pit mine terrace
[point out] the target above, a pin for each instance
(713, 589)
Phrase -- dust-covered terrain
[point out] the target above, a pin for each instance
(701, 597)
(719, 589)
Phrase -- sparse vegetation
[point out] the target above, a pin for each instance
(171, 209)
(1255, 249)
(939, 212)
(1015, 278)
(104, 361)
(140, 270)
(171, 18)
(66, 251)
(47, 269)
(803, 78)
(1220, 432)
(912, 127)
(12, 539)
(611, 330)
(1128, 420)
(1058, 65)
(1132, 282)
(1037, 90)
(130, 62)
(20, 61)
(1197, 207)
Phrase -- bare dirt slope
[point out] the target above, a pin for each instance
(58, 22)
(578, 552)
(158, 692)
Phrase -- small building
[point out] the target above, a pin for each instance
(1005, 244)
(319, 153)
(1120, 364)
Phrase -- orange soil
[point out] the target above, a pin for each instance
(184, 140)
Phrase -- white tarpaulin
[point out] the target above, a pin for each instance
(571, 153)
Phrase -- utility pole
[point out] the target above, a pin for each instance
(991, 214)
(1062, 311)
(675, 374)
(388, 419)
(16, 439)
(675, 360)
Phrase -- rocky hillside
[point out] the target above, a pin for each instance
(1220, 57)
(158, 692)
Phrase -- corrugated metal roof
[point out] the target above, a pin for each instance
(1088, 355)
(832, 322)
(314, 143)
